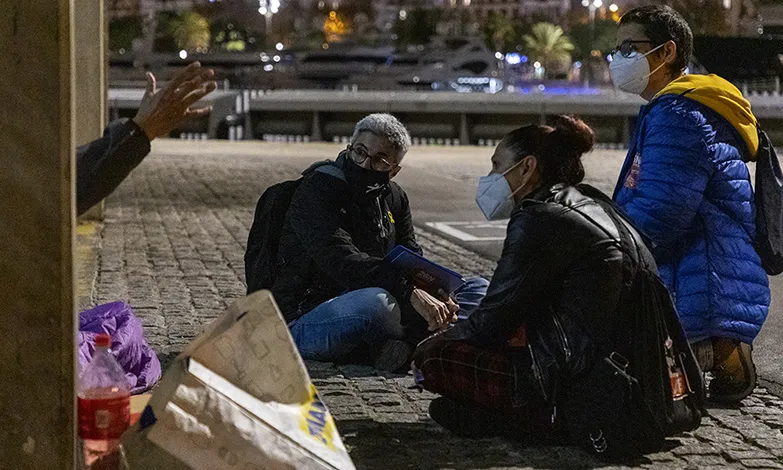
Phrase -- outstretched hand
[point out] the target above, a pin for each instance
(162, 110)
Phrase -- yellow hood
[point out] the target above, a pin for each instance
(723, 98)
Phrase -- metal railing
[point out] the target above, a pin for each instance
(763, 86)
(432, 117)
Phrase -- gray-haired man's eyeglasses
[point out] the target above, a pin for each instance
(359, 154)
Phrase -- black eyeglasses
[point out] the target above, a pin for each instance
(626, 48)
(378, 163)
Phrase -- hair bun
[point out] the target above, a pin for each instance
(571, 137)
(557, 148)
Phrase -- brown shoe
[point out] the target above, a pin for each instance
(734, 371)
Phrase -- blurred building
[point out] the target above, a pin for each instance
(459, 18)
(145, 8)
(771, 19)
(480, 9)
(386, 13)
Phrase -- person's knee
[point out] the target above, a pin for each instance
(377, 302)
(470, 295)
(476, 283)
(380, 309)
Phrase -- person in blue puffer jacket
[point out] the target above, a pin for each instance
(686, 186)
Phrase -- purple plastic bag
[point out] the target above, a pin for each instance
(138, 360)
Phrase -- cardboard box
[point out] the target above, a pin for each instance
(238, 397)
(137, 404)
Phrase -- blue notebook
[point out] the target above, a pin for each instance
(424, 273)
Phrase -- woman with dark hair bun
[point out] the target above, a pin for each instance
(554, 297)
(546, 155)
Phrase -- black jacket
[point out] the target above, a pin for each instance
(102, 164)
(334, 240)
(562, 275)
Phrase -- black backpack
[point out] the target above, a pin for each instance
(264, 238)
(769, 207)
(646, 384)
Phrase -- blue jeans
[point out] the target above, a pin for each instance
(364, 317)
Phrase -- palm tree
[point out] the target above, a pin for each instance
(190, 31)
(499, 31)
(549, 45)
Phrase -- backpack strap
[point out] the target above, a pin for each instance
(331, 169)
(625, 239)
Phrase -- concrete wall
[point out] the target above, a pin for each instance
(469, 117)
(37, 324)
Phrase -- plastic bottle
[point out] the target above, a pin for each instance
(103, 408)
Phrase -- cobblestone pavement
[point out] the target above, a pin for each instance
(172, 246)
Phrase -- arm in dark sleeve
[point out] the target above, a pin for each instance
(102, 164)
(404, 224)
(314, 216)
(532, 258)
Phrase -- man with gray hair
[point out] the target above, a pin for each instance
(341, 301)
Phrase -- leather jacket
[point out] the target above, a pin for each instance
(562, 276)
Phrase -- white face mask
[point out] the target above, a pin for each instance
(494, 196)
(632, 74)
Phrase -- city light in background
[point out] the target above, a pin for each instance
(420, 44)
(266, 7)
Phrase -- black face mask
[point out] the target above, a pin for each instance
(365, 181)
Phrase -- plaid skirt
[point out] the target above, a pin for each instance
(489, 378)
(458, 370)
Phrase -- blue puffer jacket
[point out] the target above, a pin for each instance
(686, 186)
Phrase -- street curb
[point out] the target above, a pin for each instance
(452, 255)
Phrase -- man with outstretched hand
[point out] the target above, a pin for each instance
(103, 164)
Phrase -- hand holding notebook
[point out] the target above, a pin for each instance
(424, 273)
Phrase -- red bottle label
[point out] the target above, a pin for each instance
(103, 418)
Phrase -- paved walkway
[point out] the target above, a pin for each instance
(172, 246)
